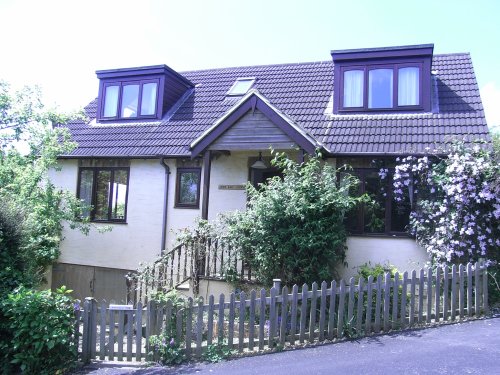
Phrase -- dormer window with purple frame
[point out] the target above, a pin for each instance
(144, 93)
(395, 79)
(130, 99)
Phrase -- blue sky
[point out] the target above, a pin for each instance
(60, 44)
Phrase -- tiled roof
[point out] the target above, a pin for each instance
(304, 93)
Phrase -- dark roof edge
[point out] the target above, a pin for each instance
(150, 69)
(376, 49)
(74, 157)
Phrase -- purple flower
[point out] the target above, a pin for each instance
(172, 342)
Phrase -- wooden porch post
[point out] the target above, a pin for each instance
(207, 165)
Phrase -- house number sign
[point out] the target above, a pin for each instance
(231, 187)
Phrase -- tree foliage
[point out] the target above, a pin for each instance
(29, 200)
(293, 227)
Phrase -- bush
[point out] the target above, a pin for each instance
(293, 228)
(40, 327)
(12, 262)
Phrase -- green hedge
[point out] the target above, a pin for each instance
(37, 332)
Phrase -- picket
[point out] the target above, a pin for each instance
(303, 310)
(293, 314)
(446, 294)
(322, 311)
(340, 320)
(331, 311)
(378, 304)
(284, 315)
(312, 312)
(454, 296)
(387, 297)
(359, 306)
(366, 307)
(403, 300)
(437, 306)
(470, 309)
(412, 297)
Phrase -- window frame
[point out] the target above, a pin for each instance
(235, 83)
(95, 170)
(394, 66)
(361, 173)
(124, 82)
(179, 172)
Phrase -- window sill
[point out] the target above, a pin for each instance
(381, 235)
(107, 222)
(188, 207)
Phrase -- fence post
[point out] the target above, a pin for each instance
(485, 289)
(87, 307)
(277, 284)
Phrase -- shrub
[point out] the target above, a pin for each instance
(167, 349)
(40, 327)
(293, 228)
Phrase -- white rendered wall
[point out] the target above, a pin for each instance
(228, 170)
(404, 253)
(126, 244)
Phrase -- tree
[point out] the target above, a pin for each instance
(26, 193)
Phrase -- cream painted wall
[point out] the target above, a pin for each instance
(404, 253)
(126, 244)
(228, 170)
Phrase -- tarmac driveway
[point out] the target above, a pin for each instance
(466, 348)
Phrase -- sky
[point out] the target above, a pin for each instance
(60, 44)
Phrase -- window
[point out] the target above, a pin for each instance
(105, 190)
(383, 215)
(187, 193)
(241, 86)
(381, 87)
(130, 99)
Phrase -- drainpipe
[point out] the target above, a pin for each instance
(165, 207)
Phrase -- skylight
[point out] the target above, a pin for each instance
(241, 86)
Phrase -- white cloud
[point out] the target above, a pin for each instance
(490, 94)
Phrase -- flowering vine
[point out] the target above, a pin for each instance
(456, 215)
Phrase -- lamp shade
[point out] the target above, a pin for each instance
(259, 164)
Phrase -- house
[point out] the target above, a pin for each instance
(162, 148)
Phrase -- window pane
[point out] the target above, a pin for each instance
(353, 88)
(130, 98)
(188, 187)
(241, 86)
(86, 183)
(408, 86)
(380, 88)
(400, 214)
(111, 101)
(148, 102)
(119, 198)
(352, 219)
(374, 213)
(102, 195)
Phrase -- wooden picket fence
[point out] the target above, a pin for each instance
(277, 318)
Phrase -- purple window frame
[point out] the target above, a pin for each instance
(95, 170)
(359, 211)
(121, 83)
(178, 203)
(424, 85)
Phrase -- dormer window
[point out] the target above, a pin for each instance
(241, 86)
(381, 87)
(144, 93)
(383, 79)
